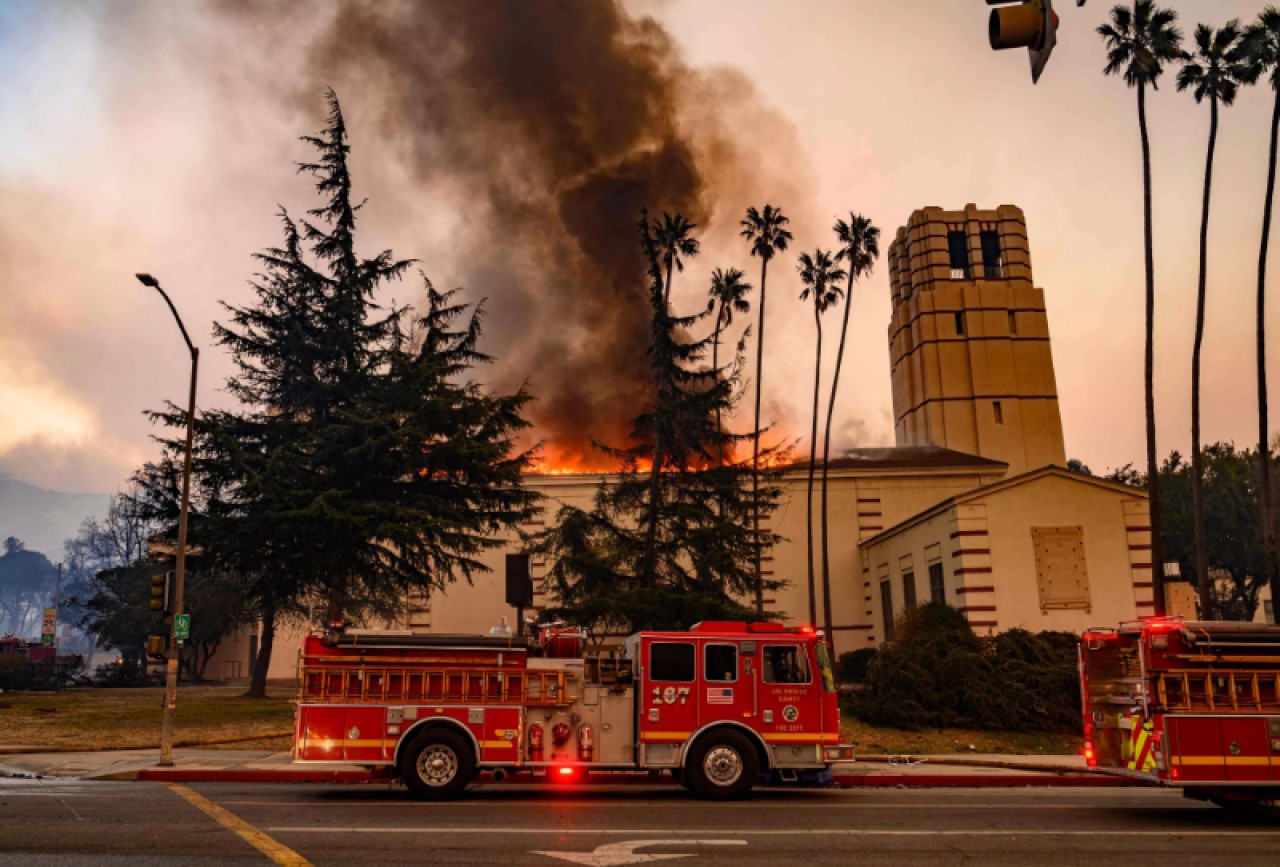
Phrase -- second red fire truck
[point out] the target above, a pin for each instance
(719, 707)
(1189, 705)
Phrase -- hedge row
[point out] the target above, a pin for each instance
(937, 673)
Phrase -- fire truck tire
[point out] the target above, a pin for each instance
(437, 765)
(721, 766)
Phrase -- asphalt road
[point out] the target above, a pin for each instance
(72, 823)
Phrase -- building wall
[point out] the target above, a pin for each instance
(971, 366)
(986, 548)
(861, 503)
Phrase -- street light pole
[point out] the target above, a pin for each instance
(171, 662)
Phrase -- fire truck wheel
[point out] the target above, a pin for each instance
(722, 765)
(437, 765)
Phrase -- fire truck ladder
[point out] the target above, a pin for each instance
(1255, 690)
(356, 683)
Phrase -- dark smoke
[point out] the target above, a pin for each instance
(555, 122)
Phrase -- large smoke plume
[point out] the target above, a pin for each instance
(549, 125)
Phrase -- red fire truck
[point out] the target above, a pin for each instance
(719, 707)
(1192, 705)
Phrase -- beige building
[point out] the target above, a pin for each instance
(969, 339)
(972, 506)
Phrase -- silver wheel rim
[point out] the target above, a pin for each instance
(723, 765)
(437, 765)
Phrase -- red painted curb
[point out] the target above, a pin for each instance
(249, 775)
(979, 781)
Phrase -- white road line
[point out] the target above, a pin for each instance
(790, 832)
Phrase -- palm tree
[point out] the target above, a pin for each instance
(1140, 40)
(729, 294)
(672, 235)
(1215, 70)
(1264, 43)
(767, 232)
(860, 247)
(819, 274)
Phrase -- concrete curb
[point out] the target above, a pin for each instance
(1065, 780)
(918, 761)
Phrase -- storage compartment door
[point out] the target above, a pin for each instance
(1246, 749)
(1195, 749)
(364, 736)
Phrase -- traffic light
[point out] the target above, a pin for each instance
(157, 646)
(1032, 25)
(160, 591)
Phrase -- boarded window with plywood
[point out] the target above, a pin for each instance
(1061, 571)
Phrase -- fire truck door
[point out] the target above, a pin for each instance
(1247, 749)
(790, 701)
(669, 708)
(728, 688)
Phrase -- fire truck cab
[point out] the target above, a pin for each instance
(1191, 705)
(720, 707)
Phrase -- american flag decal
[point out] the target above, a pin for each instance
(719, 695)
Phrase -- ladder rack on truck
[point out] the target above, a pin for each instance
(718, 706)
(348, 679)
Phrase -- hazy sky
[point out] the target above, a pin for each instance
(160, 137)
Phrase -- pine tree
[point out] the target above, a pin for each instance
(671, 543)
(365, 463)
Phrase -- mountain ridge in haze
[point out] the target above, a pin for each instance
(44, 519)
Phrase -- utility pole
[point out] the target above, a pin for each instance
(57, 599)
(174, 651)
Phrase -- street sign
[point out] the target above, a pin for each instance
(182, 626)
(48, 626)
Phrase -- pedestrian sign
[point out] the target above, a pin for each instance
(182, 626)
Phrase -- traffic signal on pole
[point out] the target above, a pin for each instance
(160, 591)
(1032, 25)
(157, 646)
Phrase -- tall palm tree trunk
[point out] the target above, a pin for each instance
(827, 620)
(755, 446)
(813, 456)
(1197, 464)
(1153, 467)
(715, 367)
(1266, 505)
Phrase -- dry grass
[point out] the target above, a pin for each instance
(879, 741)
(130, 718)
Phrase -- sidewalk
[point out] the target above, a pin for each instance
(257, 766)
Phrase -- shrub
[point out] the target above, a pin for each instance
(938, 673)
(13, 672)
(855, 664)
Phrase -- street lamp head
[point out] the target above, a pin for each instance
(148, 280)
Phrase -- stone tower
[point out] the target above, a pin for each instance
(969, 339)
